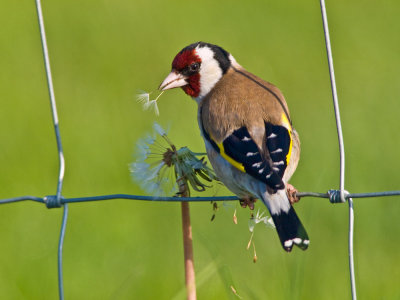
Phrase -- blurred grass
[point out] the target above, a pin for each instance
(101, 53)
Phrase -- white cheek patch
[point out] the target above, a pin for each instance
(210, 71)
(234, 62)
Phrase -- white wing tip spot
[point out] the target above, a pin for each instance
(297, 241)
(288, 243)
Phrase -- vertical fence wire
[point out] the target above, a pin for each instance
(59, 144)
(334, 96)
(60, 252)
(351, 257)
(341, 147)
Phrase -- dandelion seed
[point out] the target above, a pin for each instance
(143, 97)
(252, 224)
(142, 151)
(154, 172)
(249, 243)
(235, 292)
(260, 218)
(159, 95)
(269, 222)
(159, 129)
(139, 169)
(253, 221)
(152, 104)
(149, 140)
(255, 254)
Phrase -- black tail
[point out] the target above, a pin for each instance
(290, 230)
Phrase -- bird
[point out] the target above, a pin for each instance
(248, 133)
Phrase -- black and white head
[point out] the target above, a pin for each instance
(197, 68)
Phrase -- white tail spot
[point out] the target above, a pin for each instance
(297, 241)
(288, 243)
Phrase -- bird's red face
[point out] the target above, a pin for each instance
(196, 69)
(185, 73)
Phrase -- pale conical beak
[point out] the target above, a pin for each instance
(173, 80)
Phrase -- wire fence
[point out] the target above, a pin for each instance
(57, 201)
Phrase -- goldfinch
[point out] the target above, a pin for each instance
(247, 130)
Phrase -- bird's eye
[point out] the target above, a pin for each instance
(194, 67)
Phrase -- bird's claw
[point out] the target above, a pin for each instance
(247, 202)
(292, 193)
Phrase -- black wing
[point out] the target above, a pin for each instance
(240, 150)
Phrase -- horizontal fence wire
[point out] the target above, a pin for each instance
(63, 200)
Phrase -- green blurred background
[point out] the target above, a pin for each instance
(101, 53)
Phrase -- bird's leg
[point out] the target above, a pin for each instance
(247, 201)
(292, 193)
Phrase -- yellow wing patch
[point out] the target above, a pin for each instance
(233, 162)
(285, 122)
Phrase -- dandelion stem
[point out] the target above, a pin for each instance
(187, 243)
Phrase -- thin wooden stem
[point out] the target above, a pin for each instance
(188, 252)
(187, 241)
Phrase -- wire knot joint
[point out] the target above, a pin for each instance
(53, 201)
(335, 197)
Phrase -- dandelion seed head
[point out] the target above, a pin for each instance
(159, 163)
(149, 170)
